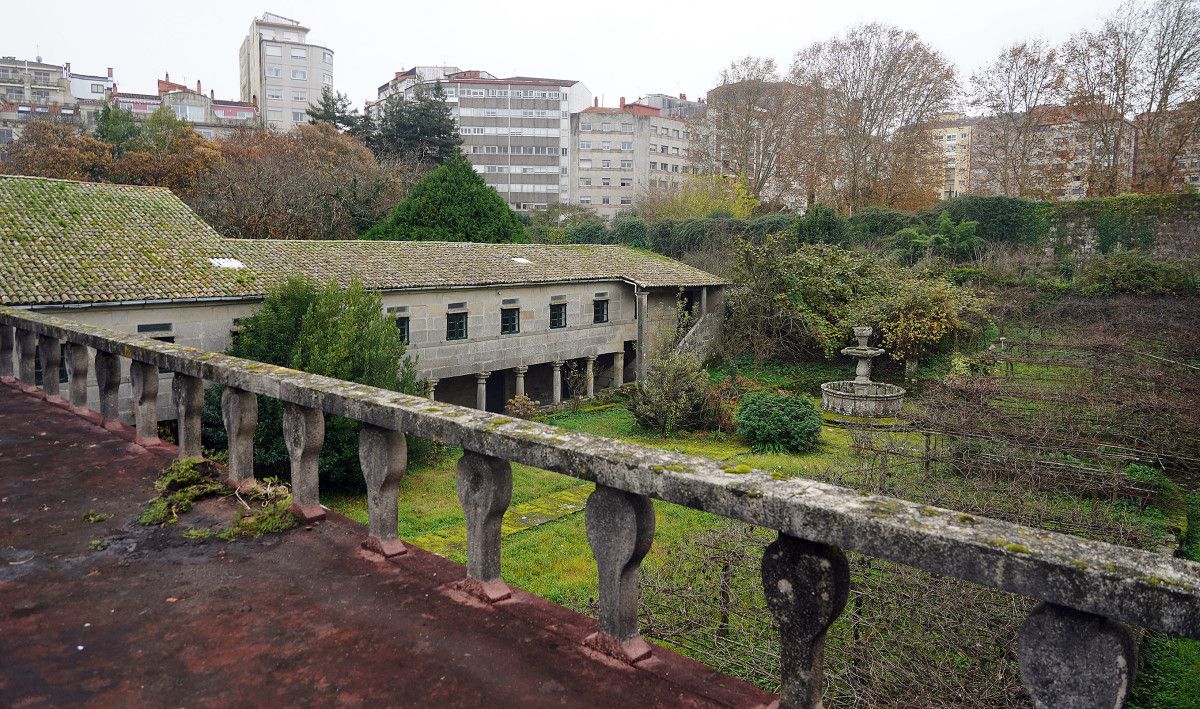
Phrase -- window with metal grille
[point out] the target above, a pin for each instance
(558, 315)
(456, 326)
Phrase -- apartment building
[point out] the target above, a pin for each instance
(210, 116)
(622, 152)
(516, 131)
(952, 133)
(675, 107)
(281, 71)
(35, 90)
(1180, 129)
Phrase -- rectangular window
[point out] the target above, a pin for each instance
(402, 326)
(627, 200)
(626, 145)
(272, 50)
(627, 127)
(510, 321)
(585, 144)
(626, 182)
(585, 200)
(606, 145)
(299, 95)
(558, 315)
(585, 126)
(606, 163)
(300, 74)
(274, 93)
(299, 117)
(274, 72)
(97, 88)
(599, 311)
(606, 200)
(627, 164)
(456, 326)
(327, 57)
(327, 79)
(299, 53)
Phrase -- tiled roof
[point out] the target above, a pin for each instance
(79, 242)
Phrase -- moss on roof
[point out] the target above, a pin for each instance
(81, 242)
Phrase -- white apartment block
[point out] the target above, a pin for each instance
(516, 131)
(32, 90)
(209, 116)
(623, 152)
(281, 71)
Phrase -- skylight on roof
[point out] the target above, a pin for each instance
(519, 259)
(226, 263)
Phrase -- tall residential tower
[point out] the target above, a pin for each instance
(281, 71)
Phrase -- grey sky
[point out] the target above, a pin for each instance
(616, 48)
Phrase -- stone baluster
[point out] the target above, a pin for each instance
(383, 454)
(589, 373)
(26, 358)
(239, 411)
(806, 586)
(143, 379)
(519, 373)
(77, 375)
(433, 389)
(643, 333)
(108, 381)
(7, 346)
(481, 390)
(304, 433)
(1071, 659)
(620, 530)
(188, 392)
(484, 486)
(618, 368)
(556, 382)
(50, 354)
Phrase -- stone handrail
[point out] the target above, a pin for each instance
(1075, 649)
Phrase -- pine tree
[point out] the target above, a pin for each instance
(421, 127)
(452, 203)
(117, 127)
(334, 108)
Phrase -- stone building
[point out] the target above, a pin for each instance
(951, 133)
(516, 131)
(210, 116)
(281, 71)
(484, 321)
(624, 151)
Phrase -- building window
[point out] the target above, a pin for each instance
(274, 72)
(626, 182)
(585, 200)
(300, 96)
(327, 79)
(274, 93)
(97, 88)
(299, 116)
(585, 144)
(606, 145)
(626, 145)
(510, 321)
(299, 53)
(627, 127)
(327, 57)
(585, 126)
(627, 200)
(606, 127)
(300, 74)
(274, 114)
(606, 200)
(599, 311)
(585, 182)
(586, 164)
(456, 326)
(606, 182)
(606, 163)
(272, 50)
(627, 164)
(402, 326)
(558, 315)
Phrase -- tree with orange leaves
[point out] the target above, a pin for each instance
(60, 150)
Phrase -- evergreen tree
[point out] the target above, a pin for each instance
(334, 109)
(452, 203)
(117, 127)
(422, 127)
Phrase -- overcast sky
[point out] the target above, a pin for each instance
(616, 48)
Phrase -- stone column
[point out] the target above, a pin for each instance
(433, 389)
(383, 454)
(239, 411)
(1074, 659)
(143, 377)
(481, 390)
(520, 379)
(620, 530)
(77, 374)
(26, 352)
(806, 586)
(188, 393)
(618, 368)
(484, 486)
(304, 433)
(108, 380)
(589, 372)
(556, 385)
(7, 346)
(703, 302)
(50, 354)
(643, 344)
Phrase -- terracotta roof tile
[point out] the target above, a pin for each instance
(81, 242)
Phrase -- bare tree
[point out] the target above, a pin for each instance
(873, 81)
(1006, 143)
(746, 127)
(1169, 92)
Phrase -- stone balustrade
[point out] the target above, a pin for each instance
(1076, 647)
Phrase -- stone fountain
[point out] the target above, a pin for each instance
(861, 396)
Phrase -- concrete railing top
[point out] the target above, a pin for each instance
(1139, 587)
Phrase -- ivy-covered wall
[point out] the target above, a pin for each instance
(1167, 225)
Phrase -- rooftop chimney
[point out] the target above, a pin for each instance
(212, 95)
(622, 102)
(683, 97)
(110, 72)
(167, 76)
(67, 68)
(595, 103)
(198, 89)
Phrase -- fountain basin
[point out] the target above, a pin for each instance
(867, 399)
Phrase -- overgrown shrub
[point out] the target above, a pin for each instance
(821, 225)
(521, 407)
(776, 423)
(872, 224)
(674, 396)
(1136, 272)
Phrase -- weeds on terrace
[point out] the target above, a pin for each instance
(184, 482)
